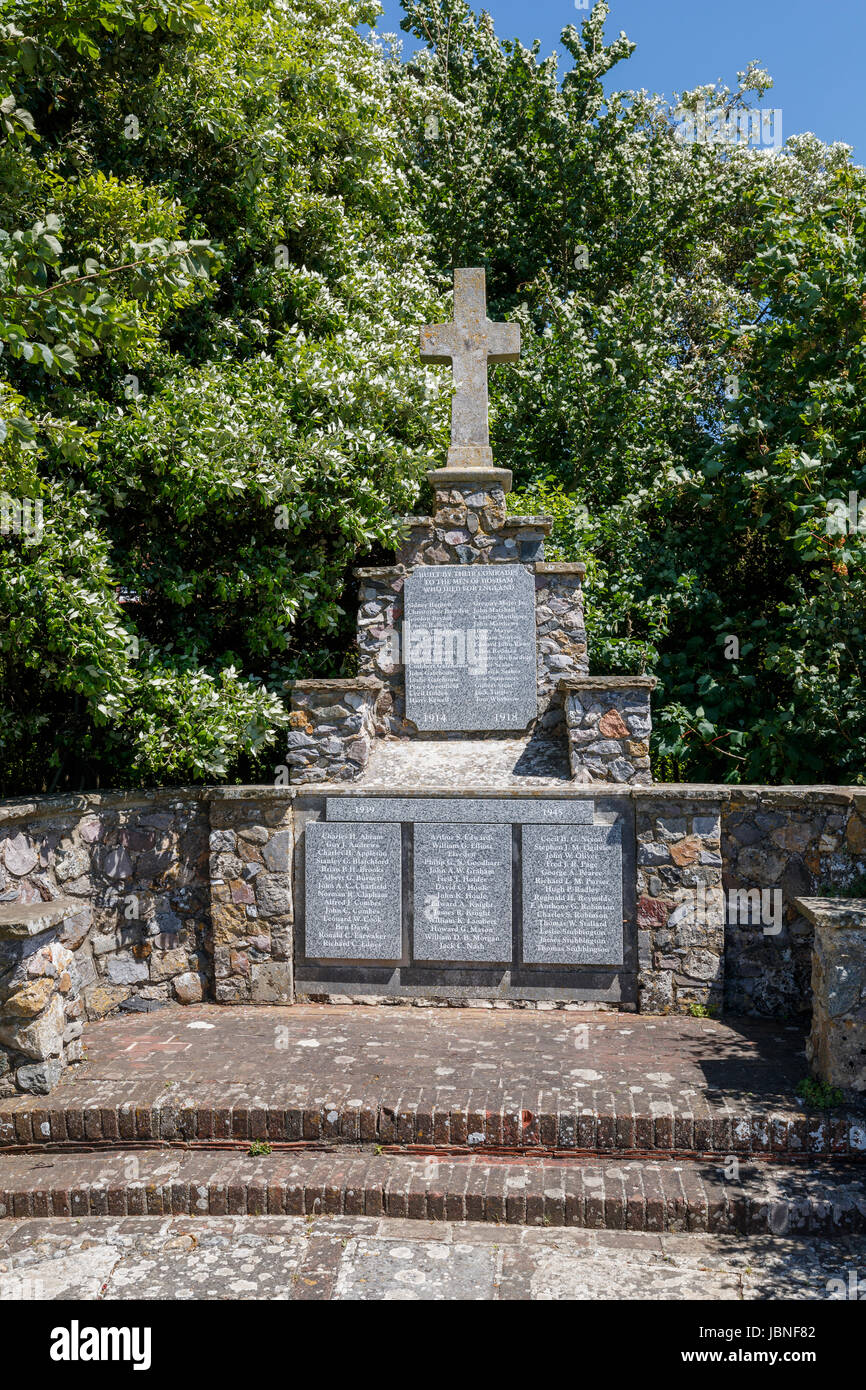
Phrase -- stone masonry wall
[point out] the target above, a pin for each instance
(380, 625)
(138, 866)
(608, 723)
(779, 843)
(680, 907)
(560, 635)
(251, 843)
(160, 922)
(470, 526)
(333, 724)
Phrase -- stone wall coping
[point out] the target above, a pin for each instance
(835, 913)
(251, 791)
(478, 478)
(81, 803)
(56, 803)
(381, 572)
(22, 920)
(795, 795)
(752, 793)
(560, 567)
(607, 682)
(512, 519)
(337, 683)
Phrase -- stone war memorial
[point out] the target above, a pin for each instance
(466, 922)
(469, 845)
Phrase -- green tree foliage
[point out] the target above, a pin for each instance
(690, 394)
(221, 227)
(219, 404)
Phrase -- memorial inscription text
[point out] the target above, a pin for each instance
(572, 895)
(462, 892)
(469, 647)
(352, 891)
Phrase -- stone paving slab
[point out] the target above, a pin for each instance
(363, 1259)
(526, 761)
(571, 1080)
(613, 1194)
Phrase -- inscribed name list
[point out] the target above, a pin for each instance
(469, 647)
(352, 883)
(572, 895)
(462, 892)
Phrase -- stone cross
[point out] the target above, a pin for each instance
(469, 343)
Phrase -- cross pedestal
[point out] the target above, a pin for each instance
(469, 343)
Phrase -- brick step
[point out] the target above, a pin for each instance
(104, 1113)
(609, 1194)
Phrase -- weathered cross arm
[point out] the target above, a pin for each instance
(469, 343)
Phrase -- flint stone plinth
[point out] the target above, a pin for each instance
(40, 1005)
(837, 1043)
(608, 722)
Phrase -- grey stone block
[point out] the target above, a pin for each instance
(276, 853)
(271, 982)
(39, 1078)
(273, 894)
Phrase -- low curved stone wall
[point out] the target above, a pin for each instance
(137, 863)
(778, 844)
(40, 1004)
(186, 894)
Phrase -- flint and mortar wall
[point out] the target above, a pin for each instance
(787, 842)
(187, 894)
(701, 852)
(137, 864)
(251, 845)
(471, 527)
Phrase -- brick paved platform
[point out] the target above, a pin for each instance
(633, 1195)
(484, 1080)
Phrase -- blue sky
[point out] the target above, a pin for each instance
(814, 49)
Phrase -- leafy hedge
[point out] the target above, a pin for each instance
(224, 224)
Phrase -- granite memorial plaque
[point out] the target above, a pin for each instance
(353, 892)
(462, 892)
(572, 895)
(498, 810)
(469, 647)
